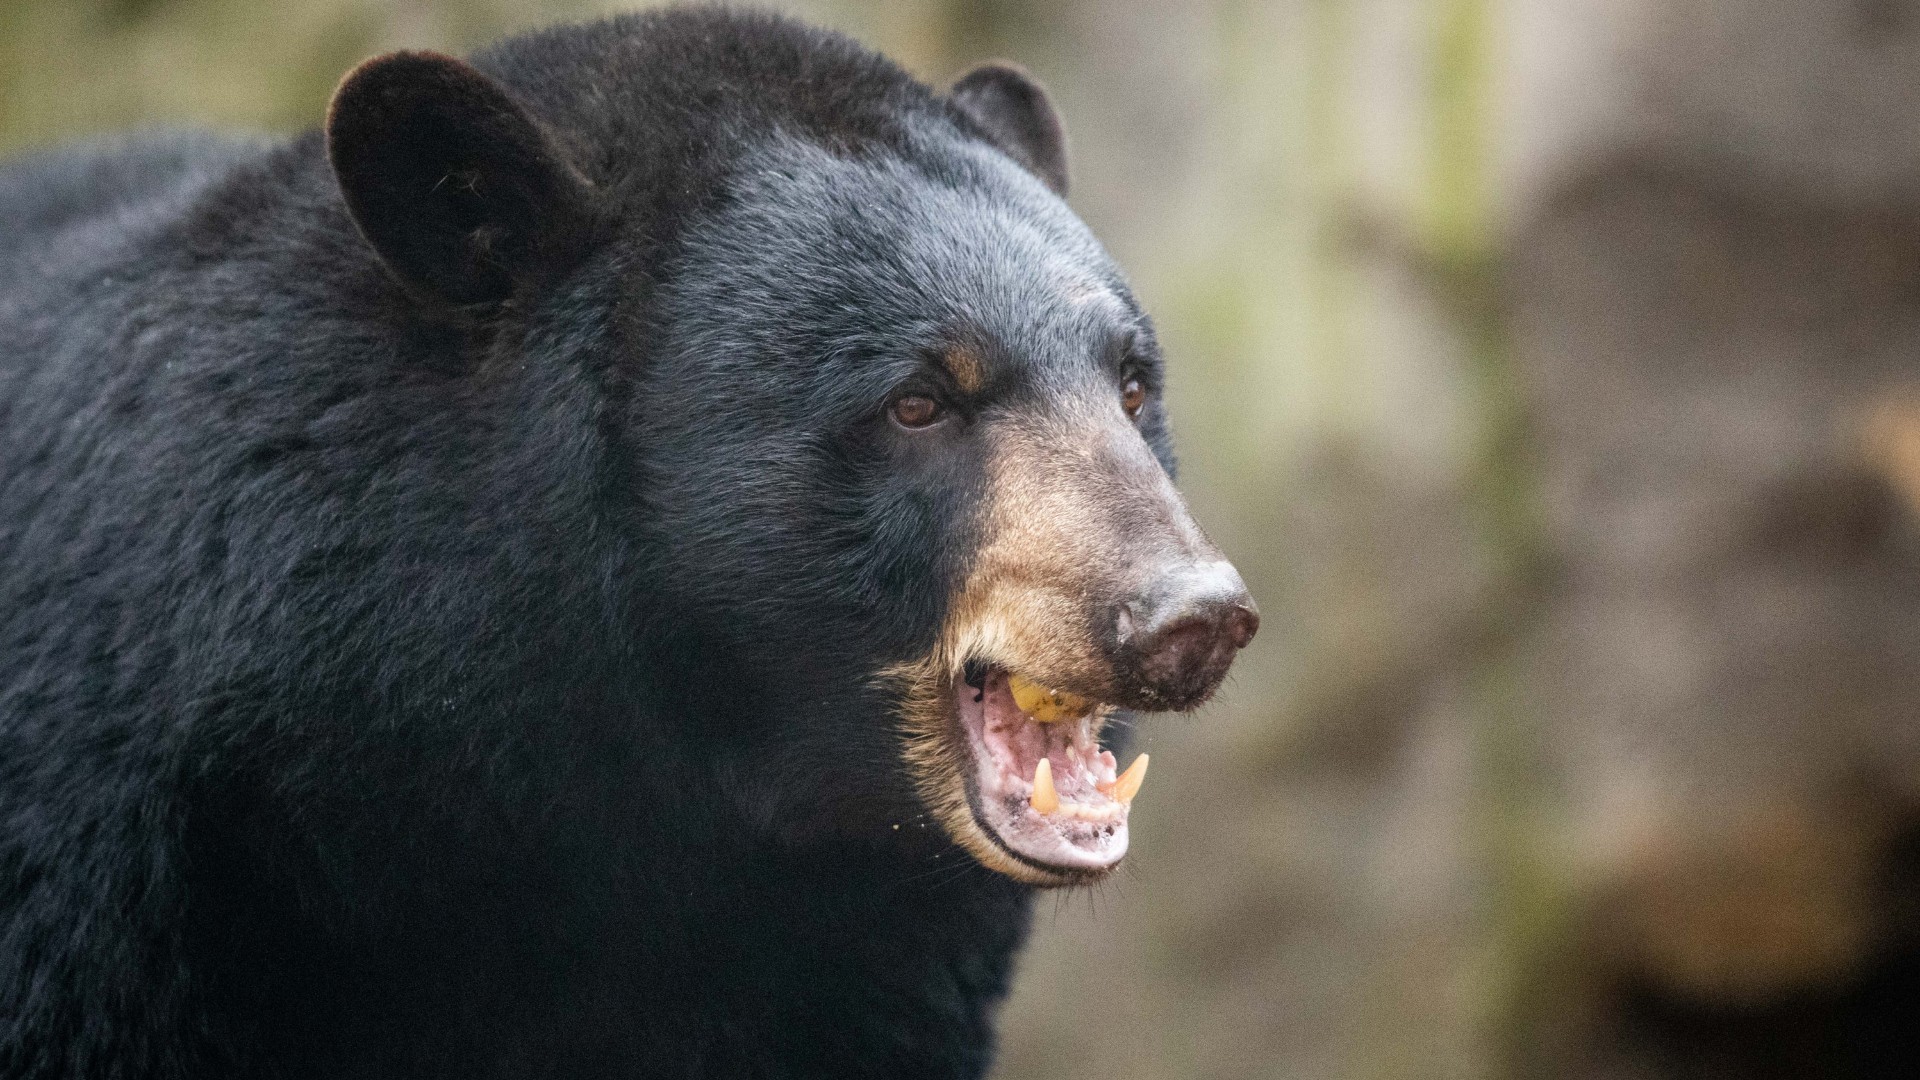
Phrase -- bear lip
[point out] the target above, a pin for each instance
(1086, 834)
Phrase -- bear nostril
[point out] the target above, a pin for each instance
(1242, 623)
(1183, 658)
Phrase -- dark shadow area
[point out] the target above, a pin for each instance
(1863, 1029)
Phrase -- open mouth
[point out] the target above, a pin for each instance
(1042, 787)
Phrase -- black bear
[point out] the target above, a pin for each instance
(614, 558)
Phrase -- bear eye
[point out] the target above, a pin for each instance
(1133, 396)
(915, 411)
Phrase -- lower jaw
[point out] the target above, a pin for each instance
(1051, 870)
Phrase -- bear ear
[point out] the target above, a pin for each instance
(1013, 110)
(456, 186)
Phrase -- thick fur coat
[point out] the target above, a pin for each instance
(443, 627)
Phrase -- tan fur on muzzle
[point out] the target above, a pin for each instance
(1073, 515)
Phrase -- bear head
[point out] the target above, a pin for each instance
(895, 464)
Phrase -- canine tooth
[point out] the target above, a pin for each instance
(1044, 705)
(1045, 800)
(1125, 788)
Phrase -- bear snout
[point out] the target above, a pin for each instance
(1174, 640)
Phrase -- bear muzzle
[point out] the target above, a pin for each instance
(1092, 591)
(1173, 642)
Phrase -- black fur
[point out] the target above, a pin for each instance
(451, 181)
(472, 673)
(1012, 110)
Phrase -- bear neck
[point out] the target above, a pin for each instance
(635, 931)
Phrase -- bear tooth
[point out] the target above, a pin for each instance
(1045, 800)
(1043, 705)
(1125, 788)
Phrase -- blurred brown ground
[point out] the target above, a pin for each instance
(1552, 370)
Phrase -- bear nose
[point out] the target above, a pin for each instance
(1182, 635)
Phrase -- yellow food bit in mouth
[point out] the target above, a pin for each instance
(1044, 705)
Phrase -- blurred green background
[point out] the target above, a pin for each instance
(1549, 367)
